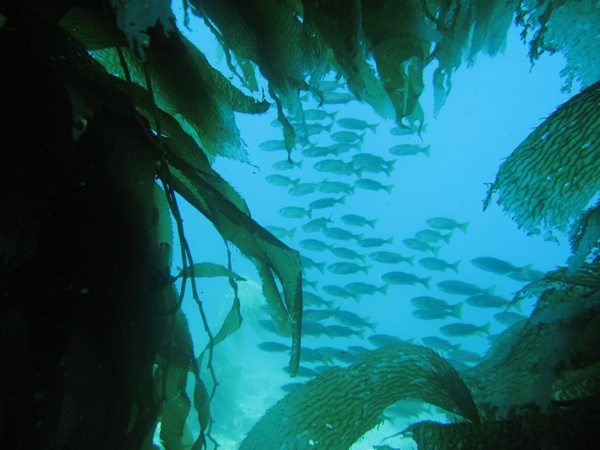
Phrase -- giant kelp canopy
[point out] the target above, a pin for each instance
(100, 99)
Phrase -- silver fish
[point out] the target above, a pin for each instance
(444, 223)
(391, 258)
(357, 221)
(408, 150)
(356, 124)
(405, 278)
(464, 329)
(438, 264)
(461, 288)
(347, 268)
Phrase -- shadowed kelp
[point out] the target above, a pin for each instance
(336, 408)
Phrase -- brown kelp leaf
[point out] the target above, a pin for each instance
(271, 256)
(232, 322)
(337, 407)
(172, 424)
(208, 270)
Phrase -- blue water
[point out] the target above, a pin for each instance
(492, 107)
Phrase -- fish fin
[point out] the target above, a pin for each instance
(361, 137)
(373, 327)
(457, 311)
(426, 151)
(456, 347)
(361, 333)
(342, 199)
(383, 289)
(291, 233)
(491, 290)
(389, 188)
(321, 268)
(455, 266)
(426, 281)
(372, 223)
(351, 190)
(390, 240)
(367, 268)
(363, 258)
(464, 226)
(309, 213)
(411, 260)
(447, 237)
(388, 170)
(359, 146)
(299, 164)
(435, 250)
(333, 114)
(525, 271)
(486, 328)
(374, 126)
(330, 304)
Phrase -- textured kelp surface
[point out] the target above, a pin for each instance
(338, 407)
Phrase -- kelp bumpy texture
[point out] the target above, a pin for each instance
(95, 350)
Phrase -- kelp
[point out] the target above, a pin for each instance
(336, 408)
(554, 173)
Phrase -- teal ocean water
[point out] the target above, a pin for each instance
(400, 267)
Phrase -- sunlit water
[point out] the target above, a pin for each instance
(492, 107)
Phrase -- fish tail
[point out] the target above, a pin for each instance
(372, 223)
(490, 290)
(411, 260)
(359, 145)
(455, 266)
(361, 137)
(309, 213)
(389, 188)
(291, 233)
(456, 347)
(464, 226)
(426, 151)
(426, 281)
(298, 164)
(330, 304)
(383, 289)
(321, 268)
(373, 127)
(366, 269)
(486, 328)
(373, 327)
(435, 250)
(457, 311)
(390, 240)
(342, 200)
(333, 114)
(328, 127)
(361, 334)
(447, 237)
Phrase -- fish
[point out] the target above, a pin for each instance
(287, 164)
(356, 124)
(510, 318)
(435, 304)
(334, 331)
(347, 357)
(391, 258)
(358, 349)
(316, 224)
(526, 276)
(465, 356)
(432, 236)
(319, 114)
(309, 355)
(290, 387)
(330, 86)
(276, 123)
(280, 232)
(384, 340)
(318, 314)
(357, 221)
(337, 98)
(303, 372)
(314, 245)
(438, 264)
(374, 242)
(318, 152)
(464, 329)
(273, 347)
(295, 212)
(308, 263)
(336, 166)
(334, 187)
(420, 246)
(269, 326)
(328, 202)
(343, 147)
(444, 223)
(403, 130)
(487, 301)
(347, 268)
(310, 299)
(359, 288)
(302, 189)
(312, 328)
(317, 128)
(337, 291)
(404, 278)
(340, 234)
(438, 343)
(351, 319)
(497, 266)
(461, 288)
(372, 163)
(313, 284)
(281, 180)
(428, 314)
(408, 150)
(347, 253)
(347, 136)
(373, 185)
(272, 145)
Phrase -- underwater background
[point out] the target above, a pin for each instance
(449, 164)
